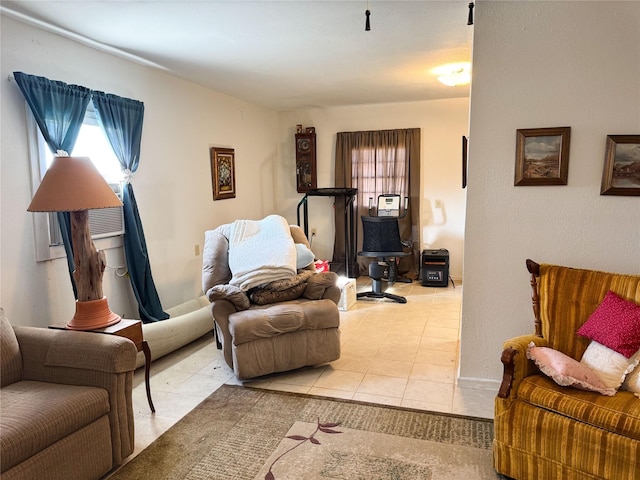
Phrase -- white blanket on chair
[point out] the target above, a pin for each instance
(261, 251)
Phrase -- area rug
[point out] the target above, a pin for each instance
(240, 433)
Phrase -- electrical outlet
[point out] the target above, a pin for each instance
(196, 249)
(313, 231)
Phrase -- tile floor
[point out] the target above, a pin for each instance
(393, 354)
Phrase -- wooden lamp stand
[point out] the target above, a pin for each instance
(92, 308)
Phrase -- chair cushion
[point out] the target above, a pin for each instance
(36, 415)
(10, 358)
(618, 414)
(272, 320)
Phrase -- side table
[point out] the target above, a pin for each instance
(131, 329)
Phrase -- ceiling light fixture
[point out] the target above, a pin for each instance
(470, 19)
(454, 74)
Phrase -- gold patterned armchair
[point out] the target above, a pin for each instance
(547, 431)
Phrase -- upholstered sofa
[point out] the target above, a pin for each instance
(546, 429)
(269, 330)
(66, 403)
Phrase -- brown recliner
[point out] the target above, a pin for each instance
(288, 328)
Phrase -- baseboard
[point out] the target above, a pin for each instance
(483, 383)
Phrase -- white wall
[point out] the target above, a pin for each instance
(544, 64)
(442, 124)
(172, 186)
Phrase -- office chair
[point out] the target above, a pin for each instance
(381, 240)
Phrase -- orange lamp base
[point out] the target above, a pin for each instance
(92, 315)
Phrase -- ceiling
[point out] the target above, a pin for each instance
(279, 54)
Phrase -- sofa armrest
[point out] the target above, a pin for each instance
(322, 285)
(61, 356)
(221, 310)
(86, 359)
(332, 293)
(516, 365)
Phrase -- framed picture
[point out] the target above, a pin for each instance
(542, 156)
(621, 174)
(223, 173)
(464, 161)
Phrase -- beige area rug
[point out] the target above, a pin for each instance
(310, 451)
(240, 433)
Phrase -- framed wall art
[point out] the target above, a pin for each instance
(223, 173)
(542, 156)
(621, 173)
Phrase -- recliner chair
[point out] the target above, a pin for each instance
(280, 335)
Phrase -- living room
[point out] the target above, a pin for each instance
(536, 64)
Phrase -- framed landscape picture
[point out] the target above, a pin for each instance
(223, 173)
(542, 156)
(621, 173)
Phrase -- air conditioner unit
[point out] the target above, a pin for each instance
(117, 189)
(103, 222)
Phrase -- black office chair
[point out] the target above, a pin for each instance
(381, 240)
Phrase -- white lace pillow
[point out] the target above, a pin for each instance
(610, 366)
(632, 382)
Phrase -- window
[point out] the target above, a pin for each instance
(379, 170)
(107, 223)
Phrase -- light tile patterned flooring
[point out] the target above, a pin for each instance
(393, 354)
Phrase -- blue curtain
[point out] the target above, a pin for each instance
(121, 119)
(59, 111)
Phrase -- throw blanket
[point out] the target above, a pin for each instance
(261, 251)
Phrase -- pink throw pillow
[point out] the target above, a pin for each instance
(566, 371)
(614, 324)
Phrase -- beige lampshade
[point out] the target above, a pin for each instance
(72, 184)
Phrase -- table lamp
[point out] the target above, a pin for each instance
(73, 184)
